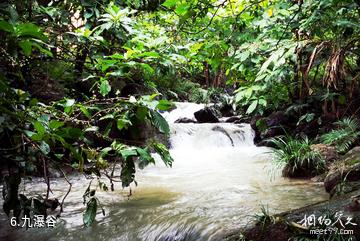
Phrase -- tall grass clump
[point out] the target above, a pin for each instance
(296, 157)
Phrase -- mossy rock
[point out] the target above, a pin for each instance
(287, 227)
(347, 169)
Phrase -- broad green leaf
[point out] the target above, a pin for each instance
(127, 174)
(164, 153)
(73, 133)
(159, 122)
(153, 96)
(26, 46)
(243, 56)
(164, 105)
(182, 8)
(85, 111)
(170, 3)
(39, 128)
(263, 102)
(147, 68)
(105, 88)
(107, 63)
(69, 102)
(29, 133)
(125, 153)
(252, 107)
(36, 137)
(54, 124)
(108, 116)
(144, 157)
(105, 151)
(6, 26)
(29, 30)
(123, 123)
(90, 213)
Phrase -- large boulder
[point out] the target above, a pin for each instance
(268, 127)
(343, 171)
(206, 115)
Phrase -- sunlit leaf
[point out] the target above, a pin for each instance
(105, 88)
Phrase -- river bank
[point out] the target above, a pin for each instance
(342, 210)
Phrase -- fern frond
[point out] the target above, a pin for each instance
(343, 137)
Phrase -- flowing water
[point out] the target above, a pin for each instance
(218, 181)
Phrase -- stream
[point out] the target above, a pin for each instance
(218, 181)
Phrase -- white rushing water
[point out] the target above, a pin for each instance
(218, 180)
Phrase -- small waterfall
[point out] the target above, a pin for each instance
(203, 136)
(207, 135)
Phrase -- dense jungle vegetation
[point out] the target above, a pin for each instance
(81, 80)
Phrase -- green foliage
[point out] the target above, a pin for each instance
(344, 137)
(296, 154)
(68, 132)
(274, 53)
(257, 98)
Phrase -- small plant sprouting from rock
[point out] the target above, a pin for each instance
(264, 218)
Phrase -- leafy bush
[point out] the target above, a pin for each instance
(296, 156)
(344, 136)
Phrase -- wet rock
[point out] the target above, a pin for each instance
(185, 120)
(277, 118)
(226, 110)
(206, 115)
(233, 119)
(299, 172)
(267, 143)
(131, 89)
(342, 175)
(326, 151)
(272, 132)
(347, 169)
(256, 128)
(307, 129)
(268, 127)
(286, 226)
(319, 178)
